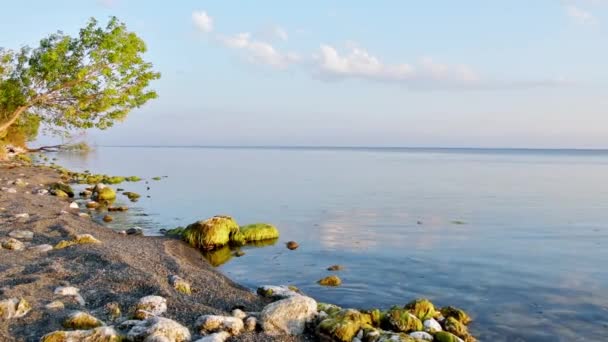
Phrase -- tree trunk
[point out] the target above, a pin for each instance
(4, 126)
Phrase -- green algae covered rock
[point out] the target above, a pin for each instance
(132, 179)
(133, 196)
(256, 232)
(14, 308)
(82, 239)
(444, 336)
(458, 314)
(81, 321)
(332, 280)
(106, 194)
(421, 308)
(455, 327)
(343, 325)
(211, 233)
(329, 309)
(61, 189)
(100, 334)
(401, 320)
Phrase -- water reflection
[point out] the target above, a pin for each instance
(218, 257)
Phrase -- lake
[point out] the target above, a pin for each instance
(517, 238)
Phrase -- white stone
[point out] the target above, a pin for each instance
(277, 292)
(432, 326)
(21, 234)
(288, 316)
(238, 313)
(217, 337)
(84, 215)
(70, 291)
(74, 205)
(250, 323)
(158, 329)
(55, 305)
(13, 244)
(150, 306)
(41, 248)
(13, 308)
(42, 192)
(10, 190)
(422, 335)
(214, 323)
(22, 215)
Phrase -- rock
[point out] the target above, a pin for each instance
(217, 337)
(60, 194)
(179, 283)
(256, 232)
(41, 248)
(211, 233)
(422, 335)
(13, 308)
(85, 215)
(278, 292)
(250, 323)
(238, 313)
(20, 182)
(133, 196)
(93, 205)
(13, 244)
(455, 327)
(330, 281)
(86, 193)
(292, 245)
(42, 192)
(458, 314)
(22, 216)
(212, 323)
(108, 218)
(421, 308)
(70, 291)
(10, 190)
(74, 205)
(105, 194)
(444, 336)
(150, 306)
(288, 316)
(239, 253)
(134, 231)
(81, 321)
(113, 310)
(432, 326)
(100, 334)
(21, 234)
(55, 305)
(343, 326)
(56, 188)
(158, 329)
(329, 309)
(121, 208)
(401, 320)
(335, 268)
(82, 239)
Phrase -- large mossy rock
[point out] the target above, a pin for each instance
(211, 233)
(421, 308)
(343, 325)
(61, 187)
(256, 232)
(105, 194)
(444, 336)
(401, 320)
(458, 314)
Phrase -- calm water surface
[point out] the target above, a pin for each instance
(529, 263)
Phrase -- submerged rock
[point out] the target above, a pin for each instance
(13, 308)
(158, 329)
(332, 280)
(335, 268)
(288, 316)
(108, 218)
(292, 245)
(213, 323)
(211, 233)
(150, 306)
(133, 196)
(256, 232)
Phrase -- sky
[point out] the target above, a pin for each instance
(432, 73)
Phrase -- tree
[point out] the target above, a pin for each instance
(91, 80)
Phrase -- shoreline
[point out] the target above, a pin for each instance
(121, 269)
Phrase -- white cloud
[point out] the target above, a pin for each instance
(202, 21)
(359, 63)
(580, 15)
(107, 3)
(258, 51)
(280, 33)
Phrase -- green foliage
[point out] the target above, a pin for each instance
(90, 80)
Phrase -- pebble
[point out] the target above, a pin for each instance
(22, 215)
(70, 291)
(21, 234)
(55, 305)
(41, 248)
(74, 205)
(13, 244)
(134, 231)
(421, 335)
(42, 192)
(292, 245)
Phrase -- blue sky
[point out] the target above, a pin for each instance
(382, 73)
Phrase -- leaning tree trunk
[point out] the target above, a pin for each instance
(16, 114)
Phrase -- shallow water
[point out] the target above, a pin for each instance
(529, 262)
